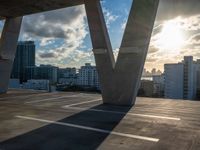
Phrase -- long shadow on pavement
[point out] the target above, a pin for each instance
(58, 137)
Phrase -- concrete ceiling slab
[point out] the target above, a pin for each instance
(15, 8)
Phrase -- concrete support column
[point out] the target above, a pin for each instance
(102, 48)
(120, 81)
(8, 45)
(133, 50)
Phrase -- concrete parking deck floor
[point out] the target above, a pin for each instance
(31, 120)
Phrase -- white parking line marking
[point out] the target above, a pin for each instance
(91, 129)
(123, 113)
(66, 106)
(48, 99)
(24, 96)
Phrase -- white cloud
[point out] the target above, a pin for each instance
(123, 25)
(194, 40)
(67, 25)
(109, 17)
(60, 34)
(190, 23)
(190, 28)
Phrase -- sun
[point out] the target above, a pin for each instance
(171, 36)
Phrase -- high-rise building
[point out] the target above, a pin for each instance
(198, 84)
(174, 80)
(189, 78)
(25, 57)
(197, 78)
(88, 76)
(181, 80)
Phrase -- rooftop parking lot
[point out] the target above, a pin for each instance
(32, 120)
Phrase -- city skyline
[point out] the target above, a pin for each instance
(178, 81)
(62, 36)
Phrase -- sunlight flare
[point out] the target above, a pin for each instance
(171, 37)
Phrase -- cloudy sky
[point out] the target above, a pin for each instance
(62, 36)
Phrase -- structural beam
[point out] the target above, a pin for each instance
(13, 8)
(8, 45)
(120, 80)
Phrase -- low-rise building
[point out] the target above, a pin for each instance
(43, 72)
(14, 83)
(146, 88)
(37, 85)
(158, 85)
(67, 76)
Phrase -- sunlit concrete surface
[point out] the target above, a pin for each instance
(32, 120)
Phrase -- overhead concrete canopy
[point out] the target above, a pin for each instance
(16, 8)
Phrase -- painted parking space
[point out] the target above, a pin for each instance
(80, 117)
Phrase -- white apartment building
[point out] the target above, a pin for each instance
(174, 81)
(88, 76)
(181, 80)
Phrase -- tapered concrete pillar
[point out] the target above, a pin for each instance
(120, 81)
(8, 45)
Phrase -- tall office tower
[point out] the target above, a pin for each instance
(198, 85)
(88, 76)
(188, 82)
(25, 57)
(197, 79)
